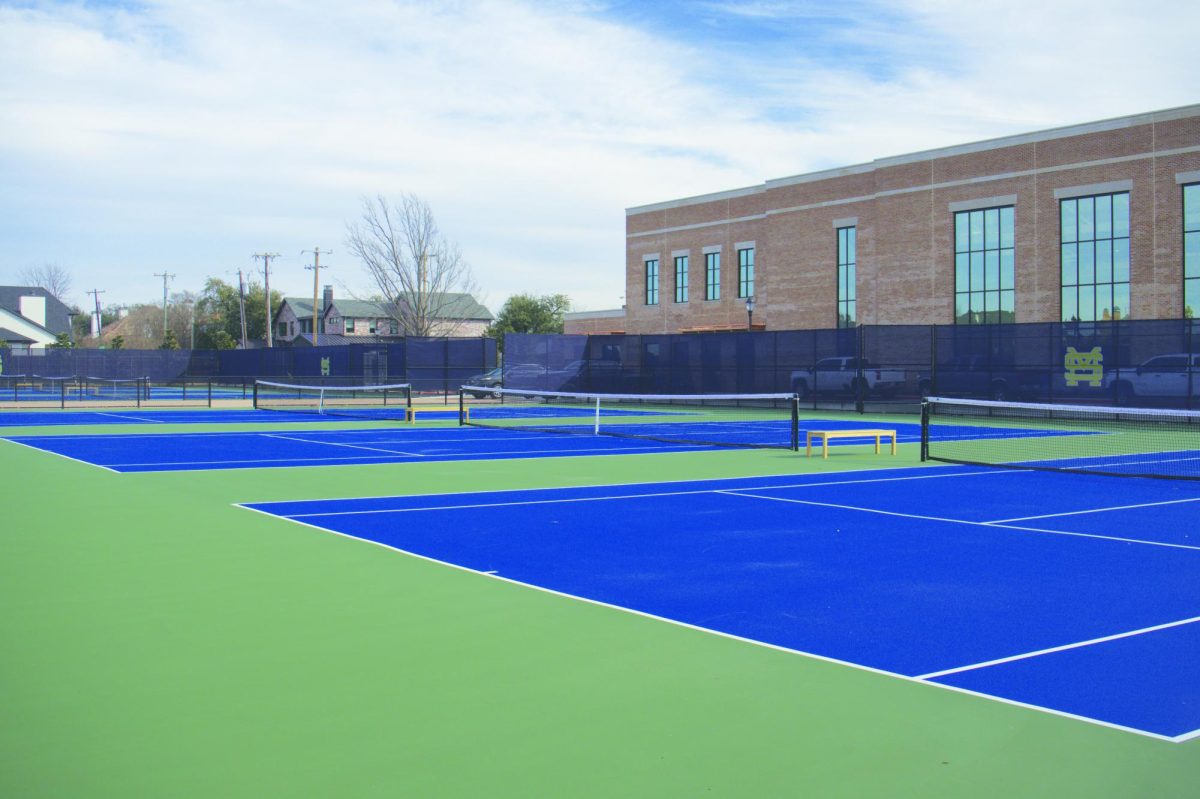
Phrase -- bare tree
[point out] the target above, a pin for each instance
(419, 273)
(52, 277)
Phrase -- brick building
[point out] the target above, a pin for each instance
(1088, 222)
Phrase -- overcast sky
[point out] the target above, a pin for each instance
(184, 135)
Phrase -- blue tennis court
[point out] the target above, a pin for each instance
(1075, 594)
(406, 443)
(149, 452)
(427, 413)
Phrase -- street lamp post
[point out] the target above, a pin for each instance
(749, 313)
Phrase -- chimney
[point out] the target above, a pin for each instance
(327, 300)
(33, 309)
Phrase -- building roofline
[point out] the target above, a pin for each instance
(1016, 140)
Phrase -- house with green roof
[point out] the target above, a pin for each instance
(348, 321)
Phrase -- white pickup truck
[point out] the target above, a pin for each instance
(1163, 377)
(841, 376)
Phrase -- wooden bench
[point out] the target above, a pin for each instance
(825, 435)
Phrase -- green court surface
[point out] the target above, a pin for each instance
(159, 641)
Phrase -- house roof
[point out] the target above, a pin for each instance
(8, 336)
(301, 307)
(58, 318)
(337, 339)
(454, 305)
(357, 309)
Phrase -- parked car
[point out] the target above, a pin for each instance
(843, 375)
(519, 375)
(1170, 376)
(978, 377)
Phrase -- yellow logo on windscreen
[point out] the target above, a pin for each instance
(1084, 367)
(324, 367)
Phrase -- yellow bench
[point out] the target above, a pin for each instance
(825, 435)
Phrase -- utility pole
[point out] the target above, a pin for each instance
(242, 306)
(96, 295)
(266, 259)
(165, 276)
(316, 267)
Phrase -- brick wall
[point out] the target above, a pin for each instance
(902, 206)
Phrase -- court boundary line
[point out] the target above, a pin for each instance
(740, 493)
(1093, 510)
(589, 499)
(936, 467)
(341, 444)
(733, 637)
(59, 454)
(133, 418)
(933, 675)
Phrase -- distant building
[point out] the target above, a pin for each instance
(358, 321)
(1082, 223)
(31, 318)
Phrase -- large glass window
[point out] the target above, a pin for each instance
(984, 266)
(847, 267)
(746, 272)
(1095, 257)
(1191, 250)
(652, 281)
(712, 276)
(681, 278)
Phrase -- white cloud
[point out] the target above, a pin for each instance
(186, 135)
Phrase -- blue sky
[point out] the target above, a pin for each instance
(138, 137)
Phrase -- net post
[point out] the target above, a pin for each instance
(210, 393)
(924, 430)
(62, 394)
(462, 408)
(795, 422)
(596, 431)
(255, 401)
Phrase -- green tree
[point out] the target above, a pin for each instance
(62, 342)
(169, 341)
(526, 313)
(218, 318)
(117, 342)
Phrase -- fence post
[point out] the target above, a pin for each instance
(860, 388)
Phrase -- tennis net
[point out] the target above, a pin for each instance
(1124, 442)
(363, 402)
(131, 390)
(726, 420)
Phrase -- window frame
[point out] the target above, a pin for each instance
(985, 262)
(745, 272)
(1190, 282)
(650, 270)
(846, 265)
(712, 276)
(1088, 252)
(682, 286)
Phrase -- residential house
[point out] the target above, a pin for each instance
(350, 321)
(31, 318)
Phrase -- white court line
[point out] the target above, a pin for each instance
(600, 498)
(1094, 510)
(134, 418)
(742, 493)
(1050, 650)
(937, 470)
(733, 637)
(59, 454)
(340, 444)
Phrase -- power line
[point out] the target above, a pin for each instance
(165, 276)
(266, 259)
(96, 295)
(316, 267)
